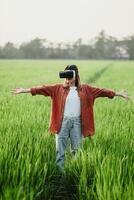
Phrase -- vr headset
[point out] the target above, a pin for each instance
(69, 74)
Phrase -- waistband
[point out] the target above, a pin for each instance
(71, 117)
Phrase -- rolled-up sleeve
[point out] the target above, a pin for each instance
(46, 90)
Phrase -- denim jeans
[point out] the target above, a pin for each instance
(71, 128)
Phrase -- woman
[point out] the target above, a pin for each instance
(72, 110)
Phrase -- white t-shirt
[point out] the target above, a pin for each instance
(72, 104)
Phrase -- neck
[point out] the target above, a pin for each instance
(72, 85)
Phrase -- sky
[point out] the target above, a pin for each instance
(64, 20)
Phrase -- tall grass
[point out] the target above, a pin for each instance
(103, 169)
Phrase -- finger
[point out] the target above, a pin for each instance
(127, 98)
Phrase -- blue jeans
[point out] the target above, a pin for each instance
(71, 128)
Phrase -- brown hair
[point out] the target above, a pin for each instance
(77, 78)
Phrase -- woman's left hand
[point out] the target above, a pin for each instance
(123, 94)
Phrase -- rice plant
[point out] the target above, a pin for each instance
(102, 170)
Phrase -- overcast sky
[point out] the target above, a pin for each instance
(64, 20)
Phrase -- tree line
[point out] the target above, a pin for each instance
(102, 46)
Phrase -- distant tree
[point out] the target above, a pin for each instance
(100, 45)
(10, 51)
(59, 51)
(105, 46)
(76, 48)
(128, 44)
(111, 47)
(51, 53)
(34, 49)
(1, 53)
(68, 51)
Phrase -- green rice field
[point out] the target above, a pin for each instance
(103, 170)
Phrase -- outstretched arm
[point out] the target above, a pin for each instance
(46, 90)
(20, 90)
(122, 94)
(102, 92)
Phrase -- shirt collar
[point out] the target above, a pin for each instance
(67, 87)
